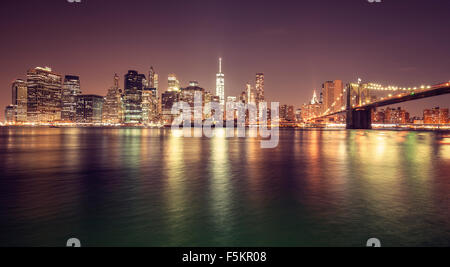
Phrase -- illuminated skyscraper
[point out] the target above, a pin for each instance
(287, 113)
(10, 114)
(19, 99)
(260, 88)
(89, 109)
(150, 102)
(220, 84)
(173, 83)
(243, 97)
(43, 95)
(71, 88)
(132, 98)
(315, 100)
(168, 99)
(113, 106)
(333, 95)
(312, 109)
(151, 78)
(156, 83)
(251, 94)
(298, 115)
(188, 93)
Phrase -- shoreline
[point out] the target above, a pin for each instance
(422, 128)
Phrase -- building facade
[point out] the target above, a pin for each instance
(113, 106)
(132, 97)
(251, 94)
(71, 88)
(313, 109)
(168, 99)
(19, 100)
(287, 113)
(44, 90)
(396, 116)
(11, 114)
(89, 109)
(150, 104)
(260, 95)
(333, 96)
(173, 83)
(436, 116)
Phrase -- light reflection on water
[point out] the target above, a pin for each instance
(145, 187)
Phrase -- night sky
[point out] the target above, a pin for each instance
(297, 44)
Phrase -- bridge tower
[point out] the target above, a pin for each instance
(357, 118)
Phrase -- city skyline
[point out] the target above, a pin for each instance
(409, 52)
(207, 127)
(332, 93)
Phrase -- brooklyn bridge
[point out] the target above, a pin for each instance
(359, 104)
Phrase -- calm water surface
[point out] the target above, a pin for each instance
(135, 187)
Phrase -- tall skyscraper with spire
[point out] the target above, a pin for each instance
(220, 84)
(315, 100)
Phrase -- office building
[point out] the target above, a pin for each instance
(188, 94)
(260, 88)
(173, 83)
(251, 94)
(113, 107)
(10, 114)
(71, 88)
(287, 113)
(168, 99)
(333, 96)
(43, 95)
(132, 97)
(19, 100)
(313, 109)
(89, 109)
(150, 109)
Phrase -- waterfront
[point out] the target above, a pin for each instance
(148, 187)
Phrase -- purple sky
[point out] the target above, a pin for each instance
(297, 44)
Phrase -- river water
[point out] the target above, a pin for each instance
(150, 187)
